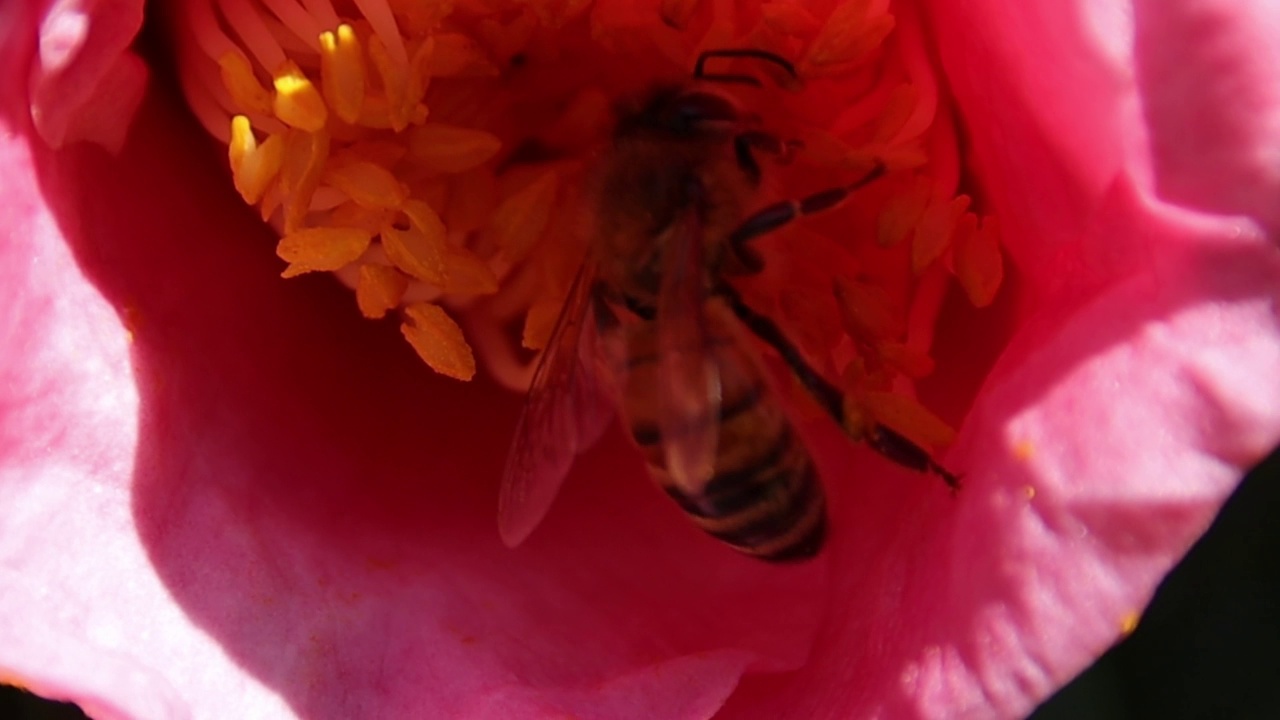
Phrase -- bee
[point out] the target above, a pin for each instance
(651, 326)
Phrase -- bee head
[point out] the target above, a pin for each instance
(681, 112)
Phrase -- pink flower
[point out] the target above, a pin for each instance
(226, 495)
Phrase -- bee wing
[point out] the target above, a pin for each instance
(688, 372)
(565, 412)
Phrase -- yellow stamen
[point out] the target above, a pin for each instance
(305, 157)
(342, 72)
(978, 263)
(790, 19)
(903, 213)
(443, 148)
(934, 232)
(379, 289)
(367, 184)
(297, 101)
(394, 84)
(540, 321)
(908, 417)
(418, 254)
(487, 197)
(246, 91)
(868, 312)
(323, 248)
(848, 36)
(438, 340)
(253, 166)
(521, 219)
(469, 275)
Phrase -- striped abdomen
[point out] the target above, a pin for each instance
(764, 497)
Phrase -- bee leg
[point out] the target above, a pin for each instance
(774, 216)
(827, 395)
(783, 151)
(899, 449)
(699, 68)
(888, 443)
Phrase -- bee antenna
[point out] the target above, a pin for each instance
(699, 68)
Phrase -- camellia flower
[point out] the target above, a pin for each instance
(230, 495)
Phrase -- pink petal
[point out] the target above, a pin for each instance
(262, 505)
(1207, 74)
(86, 83)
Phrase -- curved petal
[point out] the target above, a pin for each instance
(85, 81)
(1207, 74)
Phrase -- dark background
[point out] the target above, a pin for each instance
(1207, 647)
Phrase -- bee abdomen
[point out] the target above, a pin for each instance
(772, 507)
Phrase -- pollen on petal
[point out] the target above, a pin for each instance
(323, 248)
(438, 340)
(297, 101)
(342, 72)
(379, 289)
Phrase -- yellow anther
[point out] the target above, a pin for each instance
(238, 78)
(909, 361)
(349, 214)
(934, 232)
(555, 13)
(253, 166)
(367, 184)
(848, 36)
(438, 340)
(521, 218)
(342, 72)
(450, 149)
(378, 289)
(417, 254)
(322, 248)
(395, 84)
(902, 213)
(305, 156)
(978, 263)
(468, 274)
(789, 19)
(897, 110)
(908, 417)
(540, 321)
(298, 104)
(867, 311)
(457, 55)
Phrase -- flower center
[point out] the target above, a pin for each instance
(433, 155)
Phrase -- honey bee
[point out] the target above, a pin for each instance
(652, 327)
